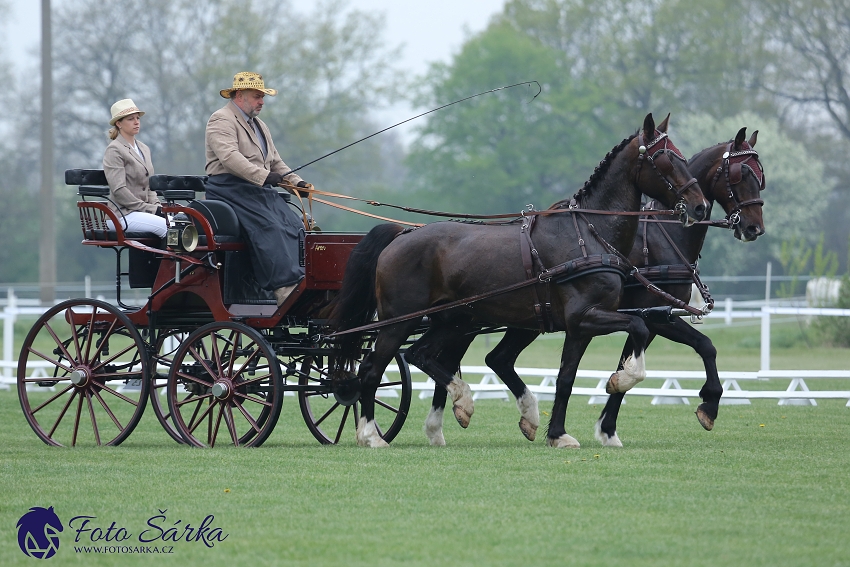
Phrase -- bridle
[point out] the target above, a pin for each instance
(658, 152)
(732, 168)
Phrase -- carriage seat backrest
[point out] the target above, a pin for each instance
(91, 182)
(221, 217)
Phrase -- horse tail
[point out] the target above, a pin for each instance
(357, 301)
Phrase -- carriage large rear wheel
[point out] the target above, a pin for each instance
(88, 375)
(330, 409)
(224, 387)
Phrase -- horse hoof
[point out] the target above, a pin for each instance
(704, 420)
(563, 442)
(437, 440)
(528, 429)
(461, 416)
(367, 435)
(434, 428)
(611, 386)
(462, 404)
(604, 438)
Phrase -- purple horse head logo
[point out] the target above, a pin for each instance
(38, 532)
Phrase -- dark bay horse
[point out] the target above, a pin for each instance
(730, 174)
(446, 261)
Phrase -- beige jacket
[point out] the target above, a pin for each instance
(232, 147)
(128, 176)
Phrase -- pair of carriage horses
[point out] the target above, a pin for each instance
(576, 257)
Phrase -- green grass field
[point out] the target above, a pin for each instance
(769, 486)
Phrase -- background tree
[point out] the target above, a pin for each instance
(795, 198)
(172, 57)
(603, 64)
(809, 46)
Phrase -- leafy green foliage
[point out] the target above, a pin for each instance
(602, 65)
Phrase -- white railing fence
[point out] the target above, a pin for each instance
(671, 390)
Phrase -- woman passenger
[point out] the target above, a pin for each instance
(128, 168)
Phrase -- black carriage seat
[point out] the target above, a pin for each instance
(222, 219)
(220, 215)
(92, 183)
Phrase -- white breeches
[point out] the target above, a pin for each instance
(138, 221)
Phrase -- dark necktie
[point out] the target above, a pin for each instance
(253, 124)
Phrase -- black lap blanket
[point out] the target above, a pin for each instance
(271, 227)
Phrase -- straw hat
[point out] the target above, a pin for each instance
(247, 80)
(123, 108)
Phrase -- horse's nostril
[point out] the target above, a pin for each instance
(699, 211)
(754, 231)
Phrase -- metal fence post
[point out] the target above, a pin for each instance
(9, 313)
(765, 323)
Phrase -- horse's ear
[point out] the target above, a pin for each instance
(753, 139)
(740, 137)
(649, 127)
(663, 126)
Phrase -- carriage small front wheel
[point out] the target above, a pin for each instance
(83, 375)
(224, 387)
(331, 407)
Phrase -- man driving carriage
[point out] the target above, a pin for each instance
(244, 169)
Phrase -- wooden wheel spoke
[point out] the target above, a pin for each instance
(90, 335)
(77, 421)
(52, 399)
(231, 425)
(247, 416)
(216, 357)
(69, 317)
(212, 433)
(93, 419)
(59, 344)
(108, 411)
(200, 417)
(111, 358)
(192, 398)
(254, 355)
(253, 380)
(248, 398)
(61, 413)
(386, 405)
(197, 408)
(327, 413)
(194, 379)
(341, 425)
(202, 361)
(117, 394)
(104, 339)
(50, 360)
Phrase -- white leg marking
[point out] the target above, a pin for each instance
(529, 415)
(434, 427)
(634, 371)
(613, 441)
(563, 442)
(462, 401)
(367, 434)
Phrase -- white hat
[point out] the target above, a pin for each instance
(123, 108)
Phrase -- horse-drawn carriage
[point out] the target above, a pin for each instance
(215, 355)
(212, 353)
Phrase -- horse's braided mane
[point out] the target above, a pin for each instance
(597, 174)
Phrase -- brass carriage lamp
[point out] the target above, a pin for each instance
(182, 233)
